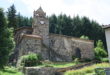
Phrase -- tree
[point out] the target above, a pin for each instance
(19, 20)
(6, 40)
(12, 17)
(52, 23)
(76, 26)
(67, 25)
(23, 21)
(86, 26)
(100, 52)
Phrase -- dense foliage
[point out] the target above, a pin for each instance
(6, 40)
(11, 14)
(76, 26)
(17, 20)
(31, 60)
(23, 21)
(100, 51)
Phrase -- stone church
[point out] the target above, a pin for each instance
(54, 47)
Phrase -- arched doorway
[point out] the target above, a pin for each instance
(77, 53)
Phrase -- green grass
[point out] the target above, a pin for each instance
(87, 70)
(58, 64)
(62, 64)
(10, 71)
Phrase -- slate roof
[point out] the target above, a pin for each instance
(106, 26)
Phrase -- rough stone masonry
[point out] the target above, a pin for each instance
(52, 47)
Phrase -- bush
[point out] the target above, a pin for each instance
(31, 60)
(100, 51)
(84, 37)
(104, 60)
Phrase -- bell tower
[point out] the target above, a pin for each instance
(41, 25)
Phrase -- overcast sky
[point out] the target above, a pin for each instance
(98, 10)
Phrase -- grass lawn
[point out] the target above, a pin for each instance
(83, 71)
(87, 70)
(10, 71)
(58, 64)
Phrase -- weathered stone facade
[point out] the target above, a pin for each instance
(66, 47)
(41, 25)
(19, 32)
(30, 43)
(51, 46)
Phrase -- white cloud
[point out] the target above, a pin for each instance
(11, 1)
(94, 9)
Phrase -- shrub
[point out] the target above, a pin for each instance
(100, 51)
(31, 60)
(104, 60)
(84, 37)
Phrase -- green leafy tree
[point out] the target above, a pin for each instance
(12, 17)
(6, 40)
(99, 50)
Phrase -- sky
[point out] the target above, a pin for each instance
(98, 10)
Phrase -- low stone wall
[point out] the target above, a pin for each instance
(40, 71)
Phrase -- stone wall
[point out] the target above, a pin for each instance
(19, 32)
(30, 43)
(40, 71)
(18, 36)
(63, 48)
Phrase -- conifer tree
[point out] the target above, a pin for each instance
(6, 40)
(12, 17)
